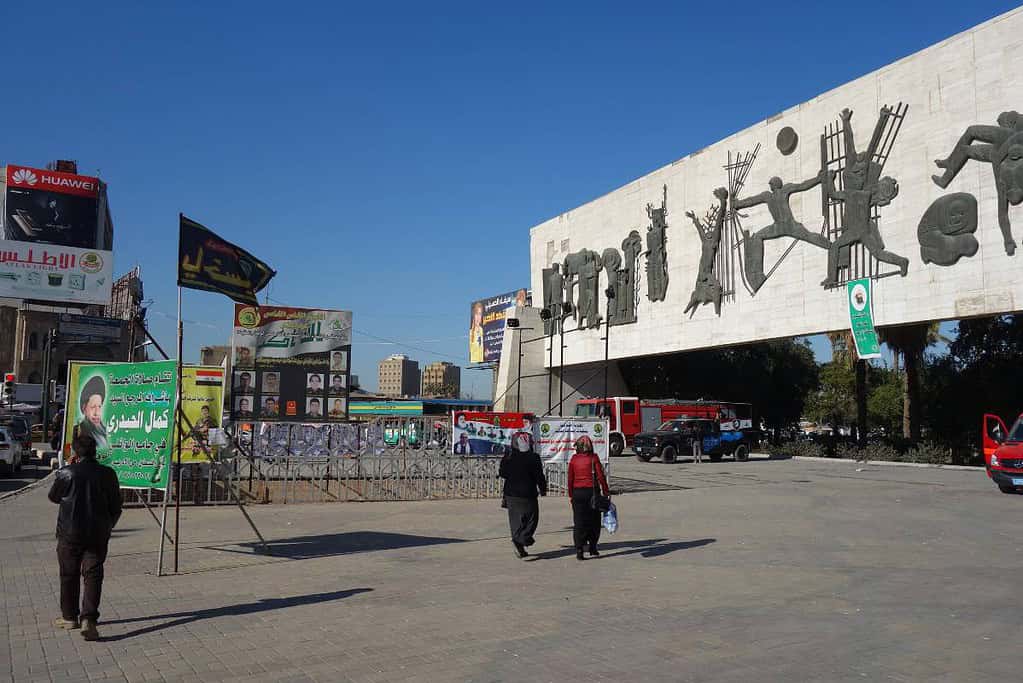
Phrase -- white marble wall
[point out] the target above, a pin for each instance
(968, 79)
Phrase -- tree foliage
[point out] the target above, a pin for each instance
(774, 376)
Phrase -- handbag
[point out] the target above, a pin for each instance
(598, 501)
(609, 520)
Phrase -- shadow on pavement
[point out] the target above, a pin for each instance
(265, 605)
(328, 545)
(651, 547)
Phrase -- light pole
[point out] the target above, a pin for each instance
(546, 316)
(515, 324)
(610, 294)
(566, 311)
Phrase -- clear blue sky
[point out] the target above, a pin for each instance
(390, 158)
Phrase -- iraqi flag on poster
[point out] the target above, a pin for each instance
(208, 262)
(209, 378)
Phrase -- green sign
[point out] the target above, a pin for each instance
(861, 319)
(129, 409)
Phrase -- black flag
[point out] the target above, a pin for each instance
(205, 261)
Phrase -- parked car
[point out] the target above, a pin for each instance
(1003, 453)
(11, 452)
(687, 437)
(19, 426)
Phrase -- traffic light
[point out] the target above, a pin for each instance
(9, 384)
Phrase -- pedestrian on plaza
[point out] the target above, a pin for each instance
(89, 496)
(523, 476)
(586, 481)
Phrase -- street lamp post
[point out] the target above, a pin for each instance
(565, 312)
(610, 294)
(546, 316)
(515, 324)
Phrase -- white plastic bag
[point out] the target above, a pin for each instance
(609, 520)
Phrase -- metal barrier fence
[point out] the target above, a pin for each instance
(378, 461)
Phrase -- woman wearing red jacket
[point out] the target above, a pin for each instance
(585, 470)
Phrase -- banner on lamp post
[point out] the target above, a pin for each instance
(861, 318)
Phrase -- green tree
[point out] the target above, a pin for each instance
(910, 342)
(774, 376)
(834, 402)
(885, 403)
(981, 373)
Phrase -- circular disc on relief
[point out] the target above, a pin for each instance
(787, 140)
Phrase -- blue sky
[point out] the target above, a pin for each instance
(390, 159)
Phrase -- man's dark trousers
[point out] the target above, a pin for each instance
(80, 564)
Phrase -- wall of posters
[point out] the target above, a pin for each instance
(486, 433)
(202, 401)
(53, 241)
(486, 324)
(129, 409)
(291, 364)
(555, 438)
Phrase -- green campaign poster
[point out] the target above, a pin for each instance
(129, 409)
(861, 319)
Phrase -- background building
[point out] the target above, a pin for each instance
(441, 380)
(398, 376)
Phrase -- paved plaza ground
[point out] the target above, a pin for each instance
(771, 570)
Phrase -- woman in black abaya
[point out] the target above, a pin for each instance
(524, 479)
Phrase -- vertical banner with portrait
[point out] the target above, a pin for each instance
(128, 408)
(290, 364)
(202, 402)
(486, 324)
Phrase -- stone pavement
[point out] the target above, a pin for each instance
(767, 571)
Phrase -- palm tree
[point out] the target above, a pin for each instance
(910, 342)
(843, 350)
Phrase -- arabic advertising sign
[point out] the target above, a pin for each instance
(89, 329)
(129, 409)
(556, 438)
(291, 364)
(202, 402)
(208, 262)
(861, 318)
(486, 325)
(51, 244)
(486, 433)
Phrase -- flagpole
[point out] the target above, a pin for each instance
(167, 490)
(177, 422)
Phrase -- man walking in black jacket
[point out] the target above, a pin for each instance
(89, 496)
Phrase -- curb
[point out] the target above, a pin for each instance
(26, 487)
(888, 463)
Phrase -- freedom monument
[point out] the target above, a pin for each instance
(910, 177)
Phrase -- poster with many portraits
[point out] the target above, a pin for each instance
(486, 433)
(290, 364)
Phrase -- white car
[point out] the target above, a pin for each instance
(11, 453)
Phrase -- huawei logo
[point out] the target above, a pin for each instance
(24, 176)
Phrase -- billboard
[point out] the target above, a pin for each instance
(486, 324)
(202, 402)
(129, 409)
(51, 243)
(486, 433)
(290, 364)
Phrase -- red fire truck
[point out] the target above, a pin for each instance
(629, 415)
